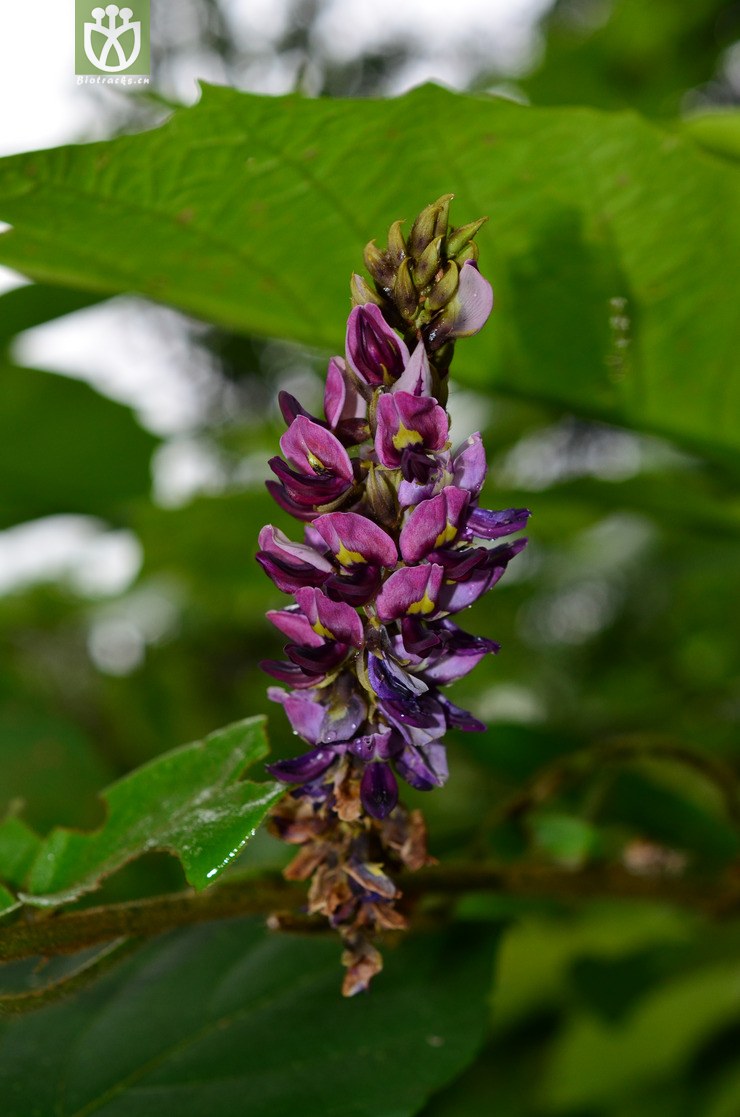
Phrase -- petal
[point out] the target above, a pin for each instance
(423, 767)
(289, 673)
(378, 790)
(304, 713)
(313, 450)
(293, 624)
(291, 408)
(341, 398)
(433, 523)
(290, 565)
(344, 714)
(333, 619)
(471, 306)
(354, 539)
(469, 465)
(484, 524)
(457, 718)
(311, 490)
(302, 769)
(410, 591)
(450, 666)
(389, 680)
(417, 376)
(407, 421)
(375, 352)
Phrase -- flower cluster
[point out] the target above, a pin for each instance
(395, 545)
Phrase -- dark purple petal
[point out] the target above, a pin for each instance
(433, 524)
(375, 352)
(355, 588)
(286, 502)
(354, 539)
(315, 451)
(290, 565)
(308, 491)
(378, 790)
(291, 408)
(457, 718)
(483, 524)
(334, 620)
(289, 673)
(317, 661)
(418, 638)
(302, 769)
(389, 680)
(305, 714)
(412, 590)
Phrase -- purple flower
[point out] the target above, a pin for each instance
(375, 352)
(408, 427)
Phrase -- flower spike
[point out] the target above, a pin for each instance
(391, 550)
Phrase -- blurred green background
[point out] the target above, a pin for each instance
(132, 608)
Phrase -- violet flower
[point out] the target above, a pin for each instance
(394, 545)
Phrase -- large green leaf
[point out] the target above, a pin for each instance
(228, 1019)
(191, 802)
(66, 448)
(613, 245)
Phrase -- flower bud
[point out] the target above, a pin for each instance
(362, 293)
(430, 224)
(459, 238)
(404, 292)
(379, 266)
(444, 289)
(396, 244)
(428, 263)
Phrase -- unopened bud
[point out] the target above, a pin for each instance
(428, 263)
(459, 238)
(381, 495)
(404, 292)
(469, 252)
(361, 292)
(379, 266)
(396, 244)
(431, 223)
(444, 289)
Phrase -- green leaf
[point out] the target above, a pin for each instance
(230, 1019)
(719, 132)
(612, 244)
(190, 802)
(19, 847)
(65, 448)
(595, 1064)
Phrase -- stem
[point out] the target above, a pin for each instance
(68, 932)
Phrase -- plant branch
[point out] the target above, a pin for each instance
(70, 931)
